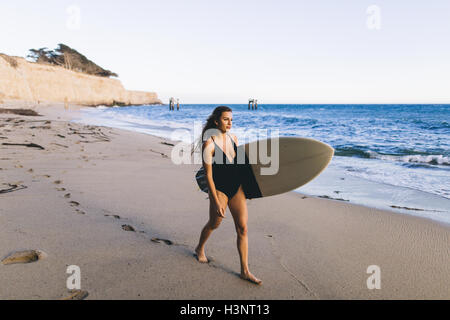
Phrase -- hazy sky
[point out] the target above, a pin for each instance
(322, 51)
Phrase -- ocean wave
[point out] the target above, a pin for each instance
(287, 118)
(435, 159)
(432, 124)
(351, 152)
(360, 152)
(437, 126)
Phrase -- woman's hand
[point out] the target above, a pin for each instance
(219, 209)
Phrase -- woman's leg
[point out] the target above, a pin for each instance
(213, 223)
(238, 208)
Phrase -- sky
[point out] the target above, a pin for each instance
(277, 51)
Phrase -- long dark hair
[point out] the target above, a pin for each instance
(210, 123)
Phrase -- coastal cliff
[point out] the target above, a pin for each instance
(21, 80)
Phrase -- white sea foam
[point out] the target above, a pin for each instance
(390, 173)
(429, 159)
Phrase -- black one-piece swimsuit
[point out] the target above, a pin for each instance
(226, 175)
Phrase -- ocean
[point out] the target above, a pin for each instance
(394, 157)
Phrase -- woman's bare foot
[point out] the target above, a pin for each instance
(201, 257)
(249, 277)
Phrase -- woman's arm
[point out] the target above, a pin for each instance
(208, 149)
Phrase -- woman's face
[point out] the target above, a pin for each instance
(225, 121)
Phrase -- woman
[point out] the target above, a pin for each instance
(224, 184)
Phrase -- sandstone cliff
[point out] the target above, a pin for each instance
(32, 82)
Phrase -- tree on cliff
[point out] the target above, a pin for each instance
(68, 58)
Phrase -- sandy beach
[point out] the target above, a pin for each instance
(75, 191)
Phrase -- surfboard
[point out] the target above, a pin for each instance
(299, 161)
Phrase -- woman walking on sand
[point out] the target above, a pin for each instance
(224, 185)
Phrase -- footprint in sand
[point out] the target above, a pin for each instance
(80, 211)
(61, 189)
(74, 203)
(57, 182)
(25, 256)
(127, 227)
(157, 240)
(67, 195)
(13, 187)
(112, 215)
(76, 295)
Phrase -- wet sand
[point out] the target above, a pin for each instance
(112, 202)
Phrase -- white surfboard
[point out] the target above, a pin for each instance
(300, 161)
